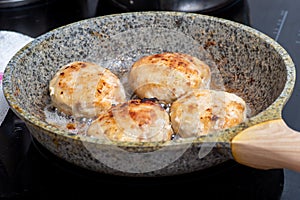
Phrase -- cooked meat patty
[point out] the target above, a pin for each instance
(167, 76)
(134, 121)
(85, 89)
(203, 111)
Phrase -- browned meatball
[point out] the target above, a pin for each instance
(134, 121)
(167, 76)
(85, 89)
(203, 111)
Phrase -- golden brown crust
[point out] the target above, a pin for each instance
(84, 89)
(177, 61)
(204, 111)
(133, 121)
(168, 76)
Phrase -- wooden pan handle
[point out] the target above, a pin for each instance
(268, 145)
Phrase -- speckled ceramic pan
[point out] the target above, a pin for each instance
(243, 61)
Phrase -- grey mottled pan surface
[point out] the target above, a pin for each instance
(243, 61)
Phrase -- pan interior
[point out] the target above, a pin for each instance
(242, 62)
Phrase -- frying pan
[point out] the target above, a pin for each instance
(243, 60)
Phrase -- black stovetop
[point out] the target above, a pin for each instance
(27, 170)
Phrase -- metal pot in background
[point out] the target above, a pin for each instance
(203, 6)
(16, 3)
(40, 16)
